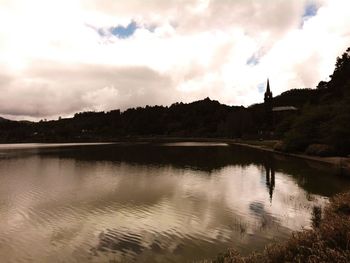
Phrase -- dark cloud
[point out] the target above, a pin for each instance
(49, 89)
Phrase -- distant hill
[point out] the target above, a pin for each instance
(203, 118)
(3, 120)
(296, 97)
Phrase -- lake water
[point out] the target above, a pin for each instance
(174, 202)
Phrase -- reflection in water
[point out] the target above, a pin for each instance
(270, 175)
(151, 203)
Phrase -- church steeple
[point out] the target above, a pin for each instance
(268, 93)
(268, 106)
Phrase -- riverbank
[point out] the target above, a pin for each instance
(328, 241)
(342, 164)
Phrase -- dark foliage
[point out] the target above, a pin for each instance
(325, 119)
(205, 118)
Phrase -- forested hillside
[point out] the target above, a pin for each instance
(205, 118)
(325, 118)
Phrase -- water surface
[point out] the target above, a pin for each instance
(175, 202)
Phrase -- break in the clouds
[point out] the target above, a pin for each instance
(61, 57)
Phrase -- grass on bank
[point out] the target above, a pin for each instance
(269, 144)
(328, 241)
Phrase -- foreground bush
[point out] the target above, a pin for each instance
(328, 241)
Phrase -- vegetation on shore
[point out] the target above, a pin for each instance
(323, 125)
(327, 241)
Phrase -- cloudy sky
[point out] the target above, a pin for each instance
(64, 56)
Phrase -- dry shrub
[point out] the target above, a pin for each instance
(319, 150)
(279, 146)
(329, 242)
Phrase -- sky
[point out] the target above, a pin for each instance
(66, 56)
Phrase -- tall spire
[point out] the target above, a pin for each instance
(268, 105)
(268, 93)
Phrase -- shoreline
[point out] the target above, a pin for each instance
(337, 162)
(340, 163)
(327, 241)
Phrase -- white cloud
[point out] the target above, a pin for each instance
(54, 62)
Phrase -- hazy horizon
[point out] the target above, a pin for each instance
(69, 56)
(136, 106)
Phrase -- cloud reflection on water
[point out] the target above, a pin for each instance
(64, 204)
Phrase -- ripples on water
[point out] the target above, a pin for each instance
(151, 203)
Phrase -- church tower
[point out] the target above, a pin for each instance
(268, 106)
